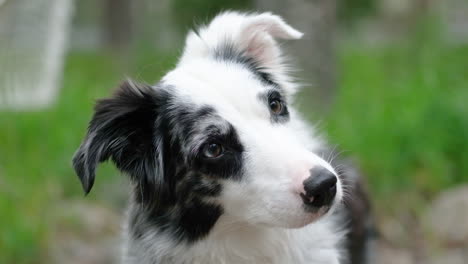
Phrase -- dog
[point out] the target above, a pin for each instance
(223, 169)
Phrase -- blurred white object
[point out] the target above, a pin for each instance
(32, 46)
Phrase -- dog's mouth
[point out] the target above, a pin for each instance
(318, 211)
(311, 216)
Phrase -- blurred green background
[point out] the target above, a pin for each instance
(396, 103)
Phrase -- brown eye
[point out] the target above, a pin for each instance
(276, 106)
(212, 150)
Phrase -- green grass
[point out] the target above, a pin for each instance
(36, 150)
(401, 111)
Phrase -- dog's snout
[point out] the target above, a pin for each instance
(319, 188)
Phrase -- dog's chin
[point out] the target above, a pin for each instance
(298, 220)
(309, 217)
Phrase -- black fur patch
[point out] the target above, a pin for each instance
(192, 224)
(187, 223)
(229, 165)
(122, 129)
(228, 52)
(156, 139)
(196, 184)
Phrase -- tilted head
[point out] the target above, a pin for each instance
(217, 135)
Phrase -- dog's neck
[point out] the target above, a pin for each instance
(232, 241)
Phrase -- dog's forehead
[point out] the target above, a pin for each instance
(228, 87)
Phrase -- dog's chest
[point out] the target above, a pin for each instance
(314, 244)
(243, 246)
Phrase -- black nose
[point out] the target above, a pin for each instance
(320, 188)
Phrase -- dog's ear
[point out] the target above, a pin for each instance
(123, 130)
(252, 34)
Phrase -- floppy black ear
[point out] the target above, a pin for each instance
(122, 129)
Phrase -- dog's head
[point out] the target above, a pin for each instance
(218, 132)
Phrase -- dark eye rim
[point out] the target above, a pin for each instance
(275, 95)
(205, 147)
(280, 105)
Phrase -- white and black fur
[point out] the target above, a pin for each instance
(252, 203)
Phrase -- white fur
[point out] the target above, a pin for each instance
(263, 219)
(233, 242)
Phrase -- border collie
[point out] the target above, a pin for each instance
(223, 168)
